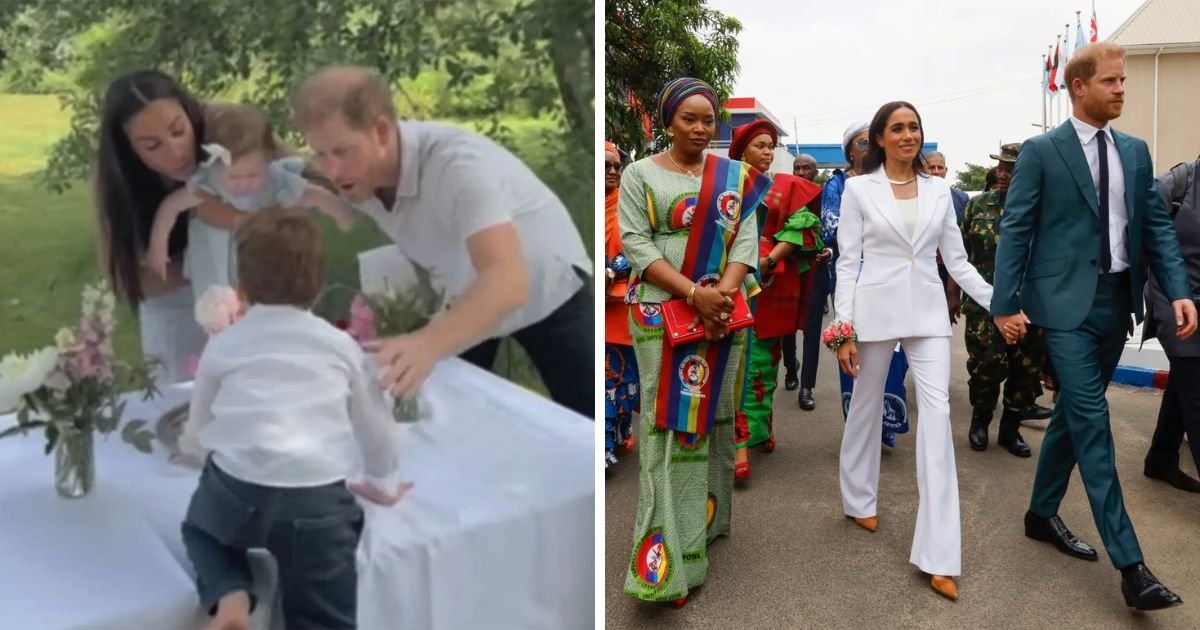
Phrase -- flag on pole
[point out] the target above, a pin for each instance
(1054, 72)
(1046, 74)
(1080, 42)
(1095, 30)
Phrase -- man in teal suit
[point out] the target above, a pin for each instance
(1083, 211)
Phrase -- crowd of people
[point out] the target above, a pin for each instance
(887, 238)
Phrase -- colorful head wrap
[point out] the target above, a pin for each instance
(609, 147)
(744, 134)
(677, 91)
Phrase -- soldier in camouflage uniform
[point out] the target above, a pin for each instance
(991, 361)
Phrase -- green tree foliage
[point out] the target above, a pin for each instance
(972, 178)
(650, 42)
(481, 59)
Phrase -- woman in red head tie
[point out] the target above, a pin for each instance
(789, 238)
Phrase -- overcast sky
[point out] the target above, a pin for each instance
(971, 67)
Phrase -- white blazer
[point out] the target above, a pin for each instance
(898, 294)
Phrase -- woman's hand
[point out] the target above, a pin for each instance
(847, 355)
(714, 304)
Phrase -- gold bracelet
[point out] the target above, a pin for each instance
(691, 294)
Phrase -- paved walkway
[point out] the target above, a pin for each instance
(793, 561)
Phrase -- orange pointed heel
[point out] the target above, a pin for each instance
(944, 586)
(869, 523)
(741, 471)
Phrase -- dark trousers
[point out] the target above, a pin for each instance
(1079, 432)
(1179, 413)
(312, 533)
(563, 349)
(811, 331)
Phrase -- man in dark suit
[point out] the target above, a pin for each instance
(1082, 210)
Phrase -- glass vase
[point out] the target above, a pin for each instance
(411, 408)
(74, 463)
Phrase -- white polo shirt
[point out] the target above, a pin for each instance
(453, 184)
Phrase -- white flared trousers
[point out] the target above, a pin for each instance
(937, 541)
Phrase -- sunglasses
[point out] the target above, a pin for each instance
(609, 166)
(862, 144)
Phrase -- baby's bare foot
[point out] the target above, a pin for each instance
(233, 612)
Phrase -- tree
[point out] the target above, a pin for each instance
(503, 53)
(971, 179)
(822, 176)
(648, 43)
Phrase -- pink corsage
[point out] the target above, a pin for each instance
(838, 333)
(218, 309)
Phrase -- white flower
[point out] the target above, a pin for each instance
(217, 309)
(65, 340)
(21, 374)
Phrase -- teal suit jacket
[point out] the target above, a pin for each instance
(1047, 261)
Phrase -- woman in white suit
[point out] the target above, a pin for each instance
(894, 220)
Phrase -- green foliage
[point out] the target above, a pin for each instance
(488, 59)
(650, 42)
(972, 179)
(823, 176)
(400, 313)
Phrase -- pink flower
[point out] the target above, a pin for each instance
(218, 309)
(362, 320)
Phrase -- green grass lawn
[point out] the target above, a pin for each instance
(48, 248)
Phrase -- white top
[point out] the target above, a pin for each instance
(908, 214)
(453, 184)
(1118, 214)
(280, 399)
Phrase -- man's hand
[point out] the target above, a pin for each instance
(824, 255)
(378, 495)
(405, 362)
(1185, 318)
(1012, 326)
(955, 305)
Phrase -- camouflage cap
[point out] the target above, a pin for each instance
(1008, 152)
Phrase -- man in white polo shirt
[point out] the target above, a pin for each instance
(490, 231)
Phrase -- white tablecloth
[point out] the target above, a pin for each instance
(498, 531)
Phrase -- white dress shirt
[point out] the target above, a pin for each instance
(280, 399)
(1118, 214)
(454, 184)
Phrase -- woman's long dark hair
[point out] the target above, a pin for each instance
(875, 153)
(128, 192)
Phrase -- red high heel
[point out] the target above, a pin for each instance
(680, 603)
(741, 471)
(769, 445)
(627, 445)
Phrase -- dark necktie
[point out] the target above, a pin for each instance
(1102, 193)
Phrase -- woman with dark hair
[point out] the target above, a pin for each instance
(894, 219)
(151, 130)
(688, 228)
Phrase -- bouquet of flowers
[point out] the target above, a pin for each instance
(391, 314)
(73, 389)
(838, 333)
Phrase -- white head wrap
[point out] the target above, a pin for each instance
(851, 131)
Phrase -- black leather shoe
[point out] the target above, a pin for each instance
(1038, 412)
(1052, 530)
(1176, 478)
(978, 436)
(791, 383)
(1143, 591)
(806, 400)
(1015, 445)
(1010, 435)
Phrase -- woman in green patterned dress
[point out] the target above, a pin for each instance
(685, 478)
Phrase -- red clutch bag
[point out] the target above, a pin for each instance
(678, 315)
